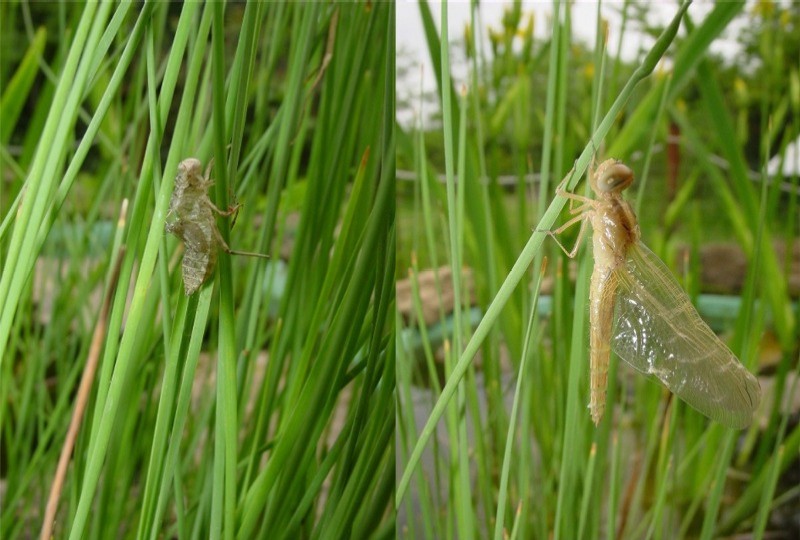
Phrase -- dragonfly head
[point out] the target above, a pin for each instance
(188, 171)
(612, 176)
(190, 174)
(190, 167)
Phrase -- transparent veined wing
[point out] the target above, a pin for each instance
(659, 332)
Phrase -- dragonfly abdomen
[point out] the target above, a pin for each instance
(197, 268)
(600, 323)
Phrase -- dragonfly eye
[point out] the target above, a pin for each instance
(613, 176)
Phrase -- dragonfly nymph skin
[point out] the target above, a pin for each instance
(638, 310)
(191, 218)
(193, 222)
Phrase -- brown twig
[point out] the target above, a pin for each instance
(82, 399)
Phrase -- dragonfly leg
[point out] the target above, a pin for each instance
(586, 202)
(553, 234)
(230, 251)
(221, 241)
(582, 211)
(585, 207)
(227, 212)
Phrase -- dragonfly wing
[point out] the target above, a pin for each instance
(659, 332)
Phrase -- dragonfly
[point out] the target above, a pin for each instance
(191, 218)
(638, 310)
